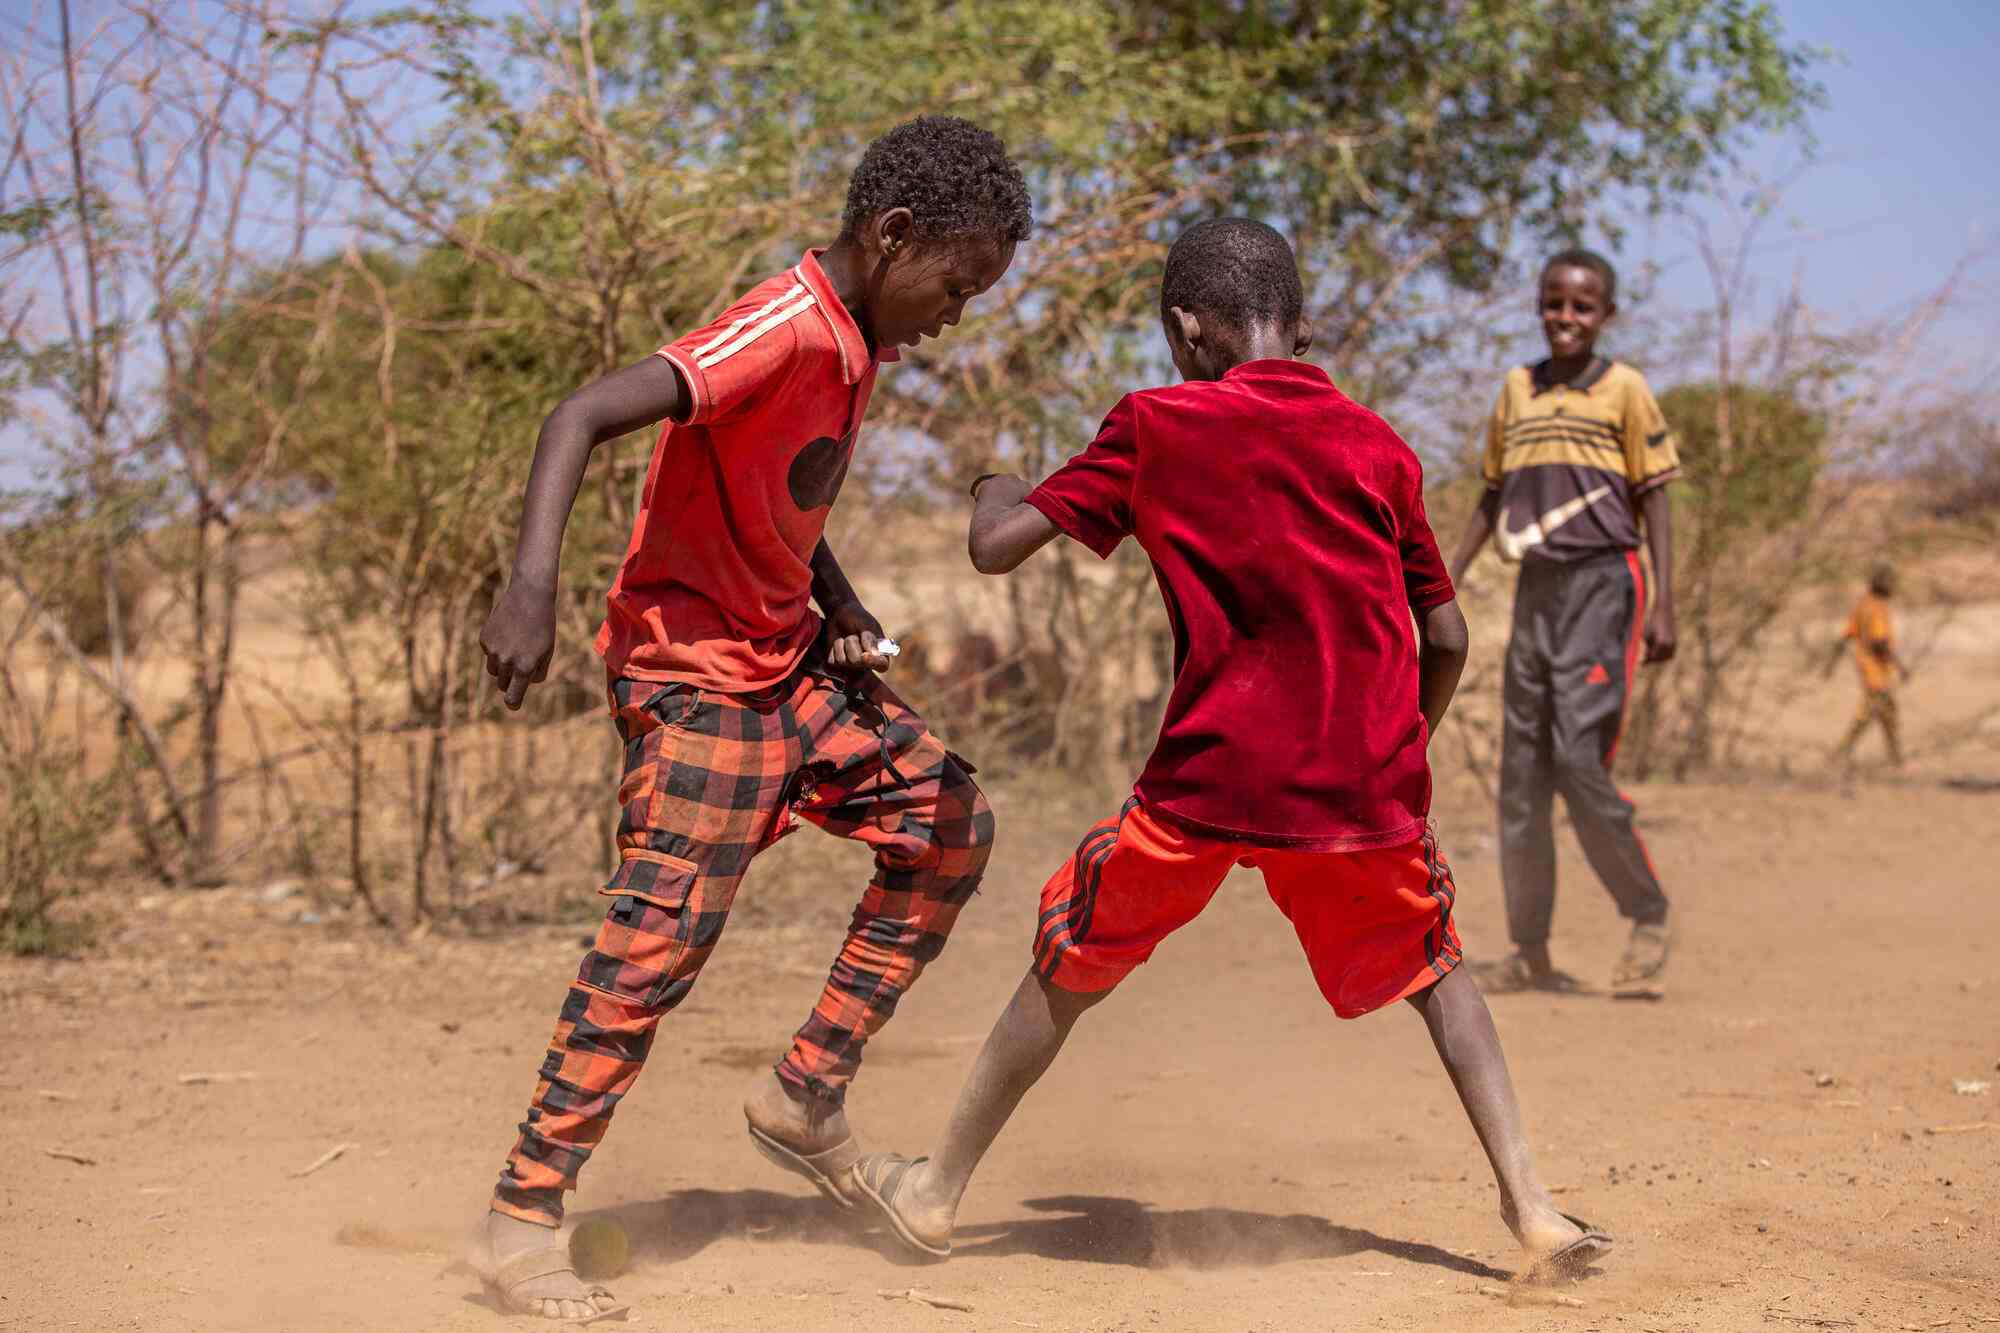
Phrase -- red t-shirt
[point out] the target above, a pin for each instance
(1286, 527)
(716, 585)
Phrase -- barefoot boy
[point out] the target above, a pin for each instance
(1872, 635)
(1286, 527)
(739, 709)
(1577, 454)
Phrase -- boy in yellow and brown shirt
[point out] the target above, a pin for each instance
(1578, 460)
(1872, 633)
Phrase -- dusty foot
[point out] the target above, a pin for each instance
(1645, 955)
(929, 1209)
(1523, 970)
(1550, 1241)
(556, 1295)
(922, 1220)
(803, 1123)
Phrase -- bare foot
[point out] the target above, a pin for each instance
(554, 1294)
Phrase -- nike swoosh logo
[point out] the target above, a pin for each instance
(1517, 542)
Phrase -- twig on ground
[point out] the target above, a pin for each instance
(1811, 1320)
(923, 1298)
(76, 1157)
(1530, 1296)
(329, 1155)
(50, 1094)
(1973, 1128)
(242, 1077)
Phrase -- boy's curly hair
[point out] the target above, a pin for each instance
(1590, 259)
(1236, 269)
(955, 178)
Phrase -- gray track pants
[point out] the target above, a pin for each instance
(1570, 660)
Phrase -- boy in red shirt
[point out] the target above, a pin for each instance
(741, 710)
(1286, 527)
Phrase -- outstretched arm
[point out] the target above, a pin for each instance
(1442, 646)
(520, 634)
(1005, 529)
(1658, 512)
(1477, 529)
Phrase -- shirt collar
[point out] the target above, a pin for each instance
(855, 358)
(1282, 366)
(1584, 383)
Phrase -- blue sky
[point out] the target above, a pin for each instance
(1907, 175)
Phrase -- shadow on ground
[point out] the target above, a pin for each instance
(1083, 1228)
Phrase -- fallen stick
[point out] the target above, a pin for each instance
(50, 1094)
(1972, 1128)
(76, 1157)
(921, 1298)
(1530, 1296)
(1815, 1321)
(243, 1077)
(325, 1157)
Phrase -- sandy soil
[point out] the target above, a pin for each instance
(1213, 1151)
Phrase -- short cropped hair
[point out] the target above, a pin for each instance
(1590, 259)
(955, 178)
(1235, 269)
(1882, 579)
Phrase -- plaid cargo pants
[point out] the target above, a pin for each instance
(711, 780)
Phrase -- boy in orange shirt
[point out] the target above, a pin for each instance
(741, 710)
(1871, 632)
(1285, 523)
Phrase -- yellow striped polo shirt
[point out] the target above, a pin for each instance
(1570, 461)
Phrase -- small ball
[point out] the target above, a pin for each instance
(599, 1249)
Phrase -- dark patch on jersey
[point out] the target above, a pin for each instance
(818, 470)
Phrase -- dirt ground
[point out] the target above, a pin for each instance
(1778, 1144)
(1214, 1150)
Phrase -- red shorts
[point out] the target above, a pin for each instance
(1376, 925)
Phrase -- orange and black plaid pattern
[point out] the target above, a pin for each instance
(711, 780)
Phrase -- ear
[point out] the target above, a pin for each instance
(889, 234)
(1185, 325)
(1302, 336)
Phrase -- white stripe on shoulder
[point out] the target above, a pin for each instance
(790, 294)
(713, 357)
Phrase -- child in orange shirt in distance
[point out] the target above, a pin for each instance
(1871, 633)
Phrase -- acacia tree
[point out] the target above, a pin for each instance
(627, 165)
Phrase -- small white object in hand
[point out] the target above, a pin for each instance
(888, 647)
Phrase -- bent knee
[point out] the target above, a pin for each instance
(963, 820)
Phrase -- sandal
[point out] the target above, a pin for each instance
(506, 1280)
(823, 1169)
(1514, 973)
(879, 1176)
(1645, 955)
(1571, 1260)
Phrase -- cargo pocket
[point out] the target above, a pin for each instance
(652, 877)
(647, 941)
